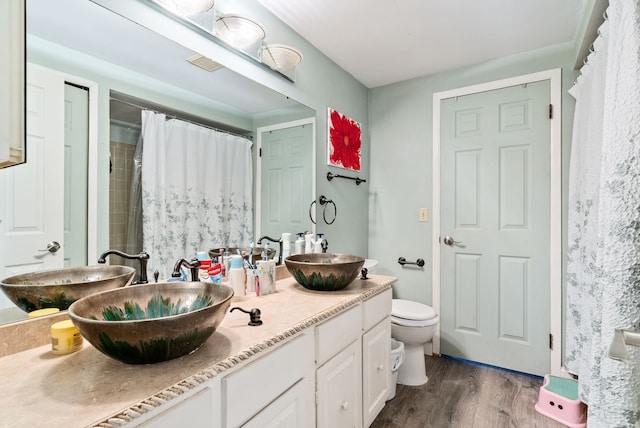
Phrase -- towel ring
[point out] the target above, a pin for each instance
(324, 202)
(324, 212)
(311, 215)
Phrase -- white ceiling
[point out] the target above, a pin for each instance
(382, 42)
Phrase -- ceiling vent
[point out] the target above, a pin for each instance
(204, 62)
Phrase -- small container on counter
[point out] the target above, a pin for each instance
(236, 275)
(299, 244)
(65, 338)
(267, 273)
(42, 312)
(251, 281)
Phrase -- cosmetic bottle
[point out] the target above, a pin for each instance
(286, 245)
(236, 276)
(308, 243)
(299, 244)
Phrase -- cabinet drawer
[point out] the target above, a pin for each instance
(251, 388)
(197, 409)
(338, 332)
(376, 309)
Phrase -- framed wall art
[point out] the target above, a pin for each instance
(344, 141)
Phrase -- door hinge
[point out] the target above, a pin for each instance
(550, 111)
(551, 341)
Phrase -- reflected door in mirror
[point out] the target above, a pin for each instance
(286, 177)
(31, 213)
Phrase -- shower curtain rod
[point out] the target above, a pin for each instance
(591, 49)
(186, 117)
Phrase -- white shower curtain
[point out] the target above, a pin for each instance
(603, 271)
(197, 188)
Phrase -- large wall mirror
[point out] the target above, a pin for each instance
(12, 79)
(101, 55)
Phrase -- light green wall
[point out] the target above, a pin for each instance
(400, 118)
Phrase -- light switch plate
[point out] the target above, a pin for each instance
(423, 214)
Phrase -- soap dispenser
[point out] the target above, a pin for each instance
(299, 244)
(317, 244)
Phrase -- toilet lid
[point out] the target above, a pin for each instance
(413, 311)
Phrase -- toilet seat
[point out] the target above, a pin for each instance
(412, 314)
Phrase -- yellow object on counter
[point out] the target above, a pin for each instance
(42, 312)
(65, 338)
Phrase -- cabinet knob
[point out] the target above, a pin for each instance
(345, 405)
(380, 367)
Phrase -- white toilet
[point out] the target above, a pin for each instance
(413, 324)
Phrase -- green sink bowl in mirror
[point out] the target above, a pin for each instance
(324, 271)
(150, 323)
(59, 288)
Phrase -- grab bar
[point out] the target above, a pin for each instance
(403, 261)
(622, 338)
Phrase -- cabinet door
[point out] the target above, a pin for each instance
(339, 389)
(376, 373)
(293, 409)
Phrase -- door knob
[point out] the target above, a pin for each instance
(52, 247)
(448, 240)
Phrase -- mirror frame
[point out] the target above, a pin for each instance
(13, 137)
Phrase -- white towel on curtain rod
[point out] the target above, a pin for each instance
(197, 186)
(603, 272)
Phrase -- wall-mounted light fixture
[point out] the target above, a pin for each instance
(239, 32)
(186, 7)
(280, 57)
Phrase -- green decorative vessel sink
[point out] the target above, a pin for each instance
(324, 271)
(59, 288)
(150, 323)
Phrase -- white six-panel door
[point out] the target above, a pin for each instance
(286, 188)
(31, 194)
(494, 215)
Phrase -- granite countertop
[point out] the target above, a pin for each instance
(87, 388)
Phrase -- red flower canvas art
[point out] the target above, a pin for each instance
(345, 142)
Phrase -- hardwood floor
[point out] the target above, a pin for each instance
(466, 395)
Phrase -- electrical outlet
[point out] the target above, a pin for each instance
(423, 214)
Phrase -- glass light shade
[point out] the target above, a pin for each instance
(238, 31)
(186, 7)
(280, 57)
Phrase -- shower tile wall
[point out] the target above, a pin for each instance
(120, 181)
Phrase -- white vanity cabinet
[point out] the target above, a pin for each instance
(338, 389)
(274, 390)
(376, 358)
(376, 373)
(339, 373)
(353, 377)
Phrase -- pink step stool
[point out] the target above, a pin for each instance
(558, 400)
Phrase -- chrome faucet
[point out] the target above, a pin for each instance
(194, 267)
(279, 241)
(143, 257)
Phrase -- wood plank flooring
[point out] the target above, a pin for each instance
(466, 395)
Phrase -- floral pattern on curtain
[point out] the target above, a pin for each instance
(197, 190)
(603, 271)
